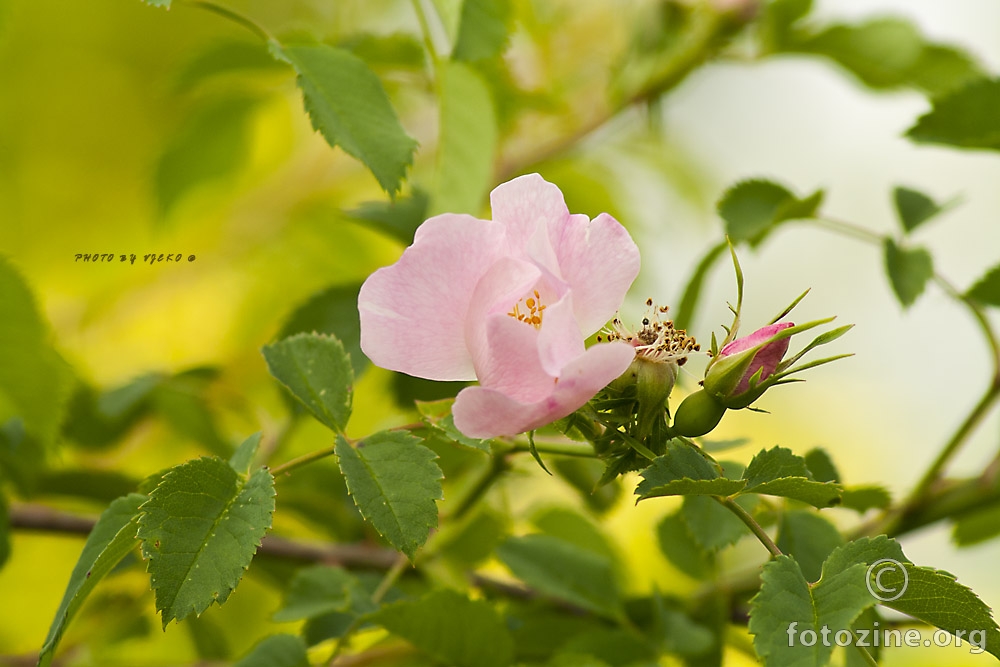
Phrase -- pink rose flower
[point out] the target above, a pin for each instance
(506, 301)
(766, 359)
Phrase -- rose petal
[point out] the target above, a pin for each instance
(525, 204)
(768, 357)
(481, 412)
(413, 313)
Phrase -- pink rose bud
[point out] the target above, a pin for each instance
(737, 377)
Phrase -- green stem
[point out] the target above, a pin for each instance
(389, 579)
(425, 31)
(305, 459)
(577, 449)
(232, 15)
(751, 523)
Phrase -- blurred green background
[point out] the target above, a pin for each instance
(128, 129)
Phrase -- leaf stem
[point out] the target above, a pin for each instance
(751, 523)
(577, 449)
(232, 15)
(305, 459)
(865, 655)
(425, 31)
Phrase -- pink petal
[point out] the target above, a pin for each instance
(413, 313)
(597, 259)
(481, 412)
(525, 204)
(768, 357)
(560, 340)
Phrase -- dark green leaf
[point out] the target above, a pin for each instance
(914, 207)
(93, 483)
(208, 637)
(909, 270)
(181, 400)
(34, 380)
(574, 528)
(779, 472)
(468, 139)
(242, 458)
(394, 482)
(614, 647)
(276, 651)
(451, 628)
(752, 208)
(684, 470)
(976, 527)
(319, 590)
(786, 597)
(482, 29)
(200, 529)
(821, 466)
(97, 419)
(112, 538)
(864, 498)
(711, 525)
(394, 51)
(987, 290)
(209, 147)
(681, 550)
(398, 218)
(332, 311)
(573, 659)
(4, 533)
(583, 475)
(350, 108)
(475, 539)
(965, 118)
(559, 569)
(317, 370)
(809, 539)
(22, 457)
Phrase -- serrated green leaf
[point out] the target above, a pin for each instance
(468, 140)
(451, 628)
(821, 466)
(242, 458)
(711, 525)
(681, 550)
(964, 118)
(976, 527)
(394, 482)
(112, 538)
(890, 53)
(785, 597)
(779, 472)
(348, 105)
(34, 379)
(209, 147)
(199, 530)
(398, 218)
(564, 571)
(913, 207)
(987, 290)
(809, 539)
(909, 269)
(752, 208)
(317, 370)
(276, 651)
(864, 498)
(683, 470)
(320, 589)
(482, 30)
(332, 311)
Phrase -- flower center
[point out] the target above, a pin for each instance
(532, 312)
(657, 339)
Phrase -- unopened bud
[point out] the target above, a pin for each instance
(697, 414)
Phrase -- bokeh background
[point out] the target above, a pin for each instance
(113, 141)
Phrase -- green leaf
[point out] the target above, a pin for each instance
(987, 290)
(438, 415)
(200, 529)
(183, 403)
(332, 311)
(863, 498)
(276, 651)
(394, 482)
(243, 456)
(209, 147)
(785, 597)
(97, 419)
(398, 218)
(34, 379)
(564, 571)
(683, 470)
(976, 527)
(821, 466)
(320, 589)
(909, 269)
(711, 525)
(451, 628)
(482, 30)
(450, 13)
(350, 108)
(4, 532)
(112, 538)
(914, 207)
(779, 472)
(753, 208)
(226, 58)
(809, 539)
(468, 140)
(965, 118)
(317, 370)
(575, 528)
(681, 550)
(890, 53)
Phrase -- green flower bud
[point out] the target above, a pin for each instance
(697, 414)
